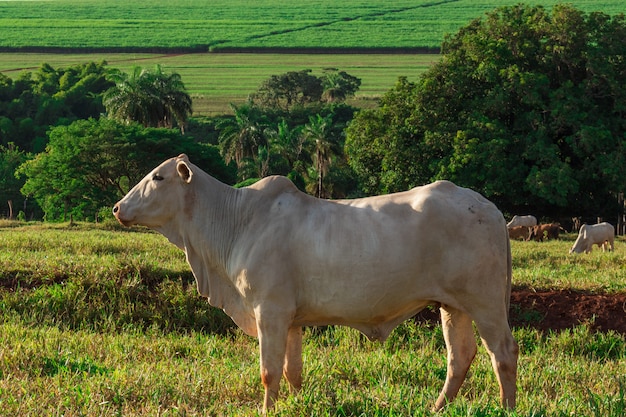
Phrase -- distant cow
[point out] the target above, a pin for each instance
(276, 259)
(517, 232)
(528, 221)
(602, 234)
(545, 231)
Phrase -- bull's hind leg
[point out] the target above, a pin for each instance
(293, 359)
(503, 350)
(458, 333)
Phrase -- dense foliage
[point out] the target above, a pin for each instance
(294, 125)
(89, 164)
(526, 106)
(33, 102)
(301, 88)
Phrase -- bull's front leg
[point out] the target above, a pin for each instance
(273, 332)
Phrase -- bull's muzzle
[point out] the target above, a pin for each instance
(117, 213)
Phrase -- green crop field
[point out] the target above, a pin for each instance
(236, 24)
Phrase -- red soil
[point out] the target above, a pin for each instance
(559, 310)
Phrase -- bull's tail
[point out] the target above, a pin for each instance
(509, 273)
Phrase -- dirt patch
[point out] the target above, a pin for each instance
(559, 310)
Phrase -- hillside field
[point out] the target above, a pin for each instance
(217, 25)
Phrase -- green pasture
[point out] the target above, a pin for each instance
(216, 80)
(236, 24)
(98, 320)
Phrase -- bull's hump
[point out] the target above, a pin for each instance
(270, 193)
(274, 184)
(443, 185)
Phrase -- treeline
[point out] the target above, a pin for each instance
(202, 49)
(527, 107)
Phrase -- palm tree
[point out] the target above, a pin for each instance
(154, 99)
(129, 100)
(242, 136)
(338, 85)
(288, 142)
(319, 137)
(176, 104)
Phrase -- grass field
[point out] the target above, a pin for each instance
(219, 24)
(95, 320)
(215, 80)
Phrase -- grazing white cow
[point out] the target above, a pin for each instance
(528, 221)
(276, 259)
(601, 234)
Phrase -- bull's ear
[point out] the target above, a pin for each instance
(184, 171)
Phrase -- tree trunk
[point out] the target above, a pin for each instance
(621, 227)
(10, 209)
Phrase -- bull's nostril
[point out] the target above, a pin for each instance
(115, 209)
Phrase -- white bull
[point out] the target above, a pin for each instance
(528, 221)
(276, 259)
(601, 234)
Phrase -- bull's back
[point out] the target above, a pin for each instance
(602, 231)
(432, 217)
(416, 225)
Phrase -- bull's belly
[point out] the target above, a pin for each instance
(376, 324)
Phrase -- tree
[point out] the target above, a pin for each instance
(386, 147)
(10, 158)
(82, 171)
(525, 106)
(176, 103)
(265, 136)
(152, 98)
(301, 88)
(288, 142)
(242, 136)
(338, 85)
(294, 88)
(318, 137)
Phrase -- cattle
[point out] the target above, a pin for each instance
(517, 232)
(528, 221)
(544, 231)
(601, 234)
(276, 259)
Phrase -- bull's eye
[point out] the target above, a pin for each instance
(157, 177)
